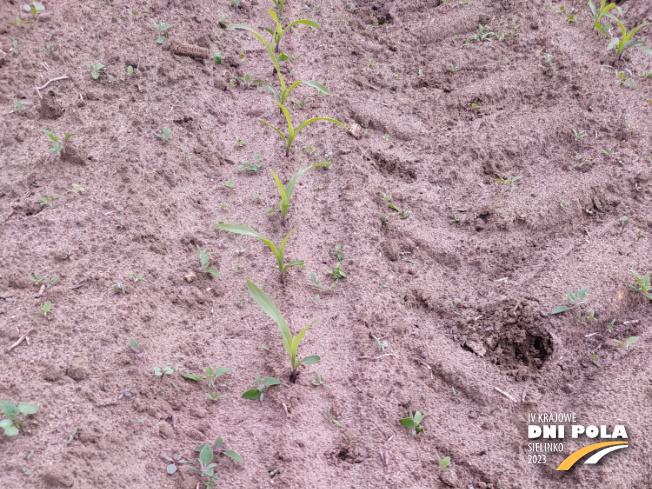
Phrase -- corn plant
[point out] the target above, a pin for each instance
(598, 14)
(279, 6)
(286, 192)
(643, 286)
(290, 344)
(627, 41)
(279, 32)
(281, 97)
(292, 132)
(279, 252)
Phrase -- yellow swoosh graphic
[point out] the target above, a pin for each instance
(575, 456)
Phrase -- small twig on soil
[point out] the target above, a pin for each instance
(365, 357)
(523, 396)
(425, 365)
(506, 395)
(49, 81)
(385, 459)
(77, 286)
(20, 340)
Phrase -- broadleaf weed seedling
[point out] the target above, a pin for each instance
(253, 166)
(135, 348)
(219, 450)
(320, 381)
(286, 191)
(206, 466)
(444, 463)
(174, 461)
(508, 181)
(594, 358)
(56, 147)
(481, 36)
(96, 69)
(332, 418)
(48, 282)
(413, 422)
(205, 263)
(161, 30)
(49, 201)
(627, 343)
(45, 309)
(279, 252)
(337, 273)
(35, 9)
(339, 252)
(247, 81)
(577, 301)
(213, 373)
(258, 392)
(457, 395)
(164, 135)
(643, 286)
(12, 424)
(291, 344)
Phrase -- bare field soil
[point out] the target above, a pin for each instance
(449, 292)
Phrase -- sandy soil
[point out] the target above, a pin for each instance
(460, 290)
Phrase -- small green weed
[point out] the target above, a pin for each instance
(258, 392)
(35, 9)
(320, 381)
(444, 463)
(205, 263)
(643, 285)
(627, 343)
(164, 135)
(45, 309)
(16, 416)
(161, 30)
(576, 302)
(56, 147)
(96, 69)
(413, 422)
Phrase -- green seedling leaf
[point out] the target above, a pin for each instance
(8, 426)
(559, 309)
(234, 455)
(26, 408)
(252, 394)
(195, 377)
(9, 409)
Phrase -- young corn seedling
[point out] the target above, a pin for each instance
(627, 40)
(576, 301)
(12, 424)
(279, 6)
(598, 14)
(413, 422)
(627, 343)
(279, 252)
(643, 286)
(292, 132)
(286, 192)
(290, 344)
(258, 392)
(205, 263)
(56, 147)
(279, 32)
(281, 97)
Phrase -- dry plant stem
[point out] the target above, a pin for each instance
(506, 395)
(375, 358)
(49, 81)
(20, 340)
